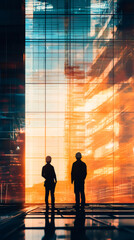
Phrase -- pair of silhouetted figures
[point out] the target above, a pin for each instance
(78, 175)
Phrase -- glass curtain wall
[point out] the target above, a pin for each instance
(79, 96)
(12, 101)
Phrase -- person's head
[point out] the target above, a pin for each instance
(48, 159)
(78, 155)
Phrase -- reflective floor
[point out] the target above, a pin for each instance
(96, 222)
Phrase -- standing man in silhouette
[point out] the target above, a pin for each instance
(78, 175)
(48, 173)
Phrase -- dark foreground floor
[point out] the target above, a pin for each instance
(105, 221)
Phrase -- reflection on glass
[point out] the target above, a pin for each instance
(49, 227)
(78, 231)
(79, 96)
(12, 102)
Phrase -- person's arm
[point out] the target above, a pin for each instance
(72, 174)
(85, 171)
(55, 178)
(43, 172)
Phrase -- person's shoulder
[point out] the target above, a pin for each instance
(75, 164)
(84, 164)
(51, 166)
(43, 168)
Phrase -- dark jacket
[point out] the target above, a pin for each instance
(48, 173)
(79, 171)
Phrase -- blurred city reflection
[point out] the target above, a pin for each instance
(12, 101)
(79, 96)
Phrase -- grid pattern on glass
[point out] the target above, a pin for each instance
(79, 96)
(12, 101)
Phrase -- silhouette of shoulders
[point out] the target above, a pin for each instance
(48, 166)
(79, 171)
(79, 163)
(48, 171)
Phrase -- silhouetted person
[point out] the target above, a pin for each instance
(48, 173)
(78, 175)
(49, 227)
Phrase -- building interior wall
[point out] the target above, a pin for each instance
(66, 86)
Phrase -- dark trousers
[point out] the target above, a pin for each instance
(50, 189)
(79, 192)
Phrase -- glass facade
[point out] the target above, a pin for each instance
(67, 78)
(12, 101)
(79, 96)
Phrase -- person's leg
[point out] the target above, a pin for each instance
(77, 198)
(46, 195)
(77, 194)
(52, 197)
(82, 195)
